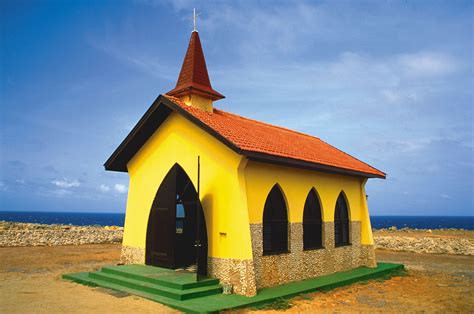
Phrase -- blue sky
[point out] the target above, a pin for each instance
(388, 82)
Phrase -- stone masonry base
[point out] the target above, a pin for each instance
(239, 273)
(132, 255)
(247, 276)
(300, 264)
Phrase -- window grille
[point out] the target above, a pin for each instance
(275, 223)
(312, 222)
(341, 222)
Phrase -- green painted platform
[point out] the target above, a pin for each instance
(180, 291)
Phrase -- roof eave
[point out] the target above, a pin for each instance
(113, 163)
(290, 162)
(202, 91)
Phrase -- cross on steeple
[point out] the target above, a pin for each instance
(194, 19)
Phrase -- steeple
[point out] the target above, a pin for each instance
(193, 86)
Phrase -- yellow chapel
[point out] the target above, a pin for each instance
(250, 203)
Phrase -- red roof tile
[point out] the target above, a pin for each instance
(254, 136)
(193, 76)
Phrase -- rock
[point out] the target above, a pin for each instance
(27, 234)
(458, 246)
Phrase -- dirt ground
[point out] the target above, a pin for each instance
(433, 283)
(435, 233)
(30, 282)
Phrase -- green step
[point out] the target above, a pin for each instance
(83, 278)
(218, 302)
(165, 278)
(152, 288)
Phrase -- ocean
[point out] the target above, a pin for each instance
(77, 219)
(117, 219)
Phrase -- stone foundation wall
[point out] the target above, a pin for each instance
(132, 255)
(367, 255)
(239, 273)
(298, 264)
(247, 276)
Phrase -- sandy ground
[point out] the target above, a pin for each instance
(30, 282)
(434, 283)
(435, 233)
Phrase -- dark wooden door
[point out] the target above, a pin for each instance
(161, 232)
(202, 260)
(185, 254)
(171, 233)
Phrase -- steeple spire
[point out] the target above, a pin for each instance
(194, 86)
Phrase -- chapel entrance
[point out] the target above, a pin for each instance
(172, 225)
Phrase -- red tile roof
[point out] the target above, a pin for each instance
(253, 136)
(193, 76)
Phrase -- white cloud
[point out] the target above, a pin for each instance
(104, 188)
(60, 192)
(427, 64)
(65, 184)
(176, 4)
(397, 95)
(351, 79)
(269, 31)
(391, 96)
(120, 188)
(133, 55)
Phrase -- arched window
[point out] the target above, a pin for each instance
(341, 222)
(312, 222)
(275, 223)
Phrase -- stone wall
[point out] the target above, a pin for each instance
(247, 276)
(132, 255)
(367, 255)
(298, 264)
(239, 273)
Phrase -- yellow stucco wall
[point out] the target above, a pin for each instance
(365, 225)
(296, 184)
(197, 101)
(222, 194)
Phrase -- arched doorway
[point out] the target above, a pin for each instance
(171, 231)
